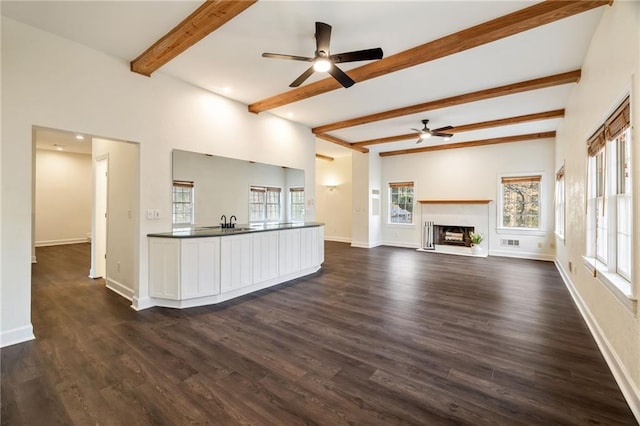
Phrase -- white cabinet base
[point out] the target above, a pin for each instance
(219, 298)
(189, 272)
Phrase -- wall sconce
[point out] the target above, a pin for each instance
(331, 187)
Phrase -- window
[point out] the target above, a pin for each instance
(609, 199)
(520, 202)
(182, 210)
(401, 204)
(560, 208)
(264, 204)
(296, 195)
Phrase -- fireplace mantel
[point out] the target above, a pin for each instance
(454, 201)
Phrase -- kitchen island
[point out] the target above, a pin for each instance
(207, 265)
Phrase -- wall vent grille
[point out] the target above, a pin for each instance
(510, 243)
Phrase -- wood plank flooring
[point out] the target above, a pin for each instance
(386, 336)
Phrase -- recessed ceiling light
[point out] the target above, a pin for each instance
(226, 89)
(290, 114)
(79, 137)
(58, 147)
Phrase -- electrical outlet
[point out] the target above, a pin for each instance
(149, 214)
(156, 214)
(118, 266)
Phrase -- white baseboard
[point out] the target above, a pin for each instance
(522, 255)
(400, 244)
(119, 289)
(17, 335)
(619, 371)
(140, 304)
(46, 243)
(337, 239)
(364, 245)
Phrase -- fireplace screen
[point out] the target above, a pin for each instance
(452, 235)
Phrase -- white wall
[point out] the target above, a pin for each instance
(473, 173)
(122, 213)
(334, 207)
(52, 82)
(611, 71)
(63, 197)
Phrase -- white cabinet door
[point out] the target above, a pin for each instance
(164, 268)
(309, 254)
(235, 262)
(289, 251)
(320, 245)
(200, 260)
(265, 256)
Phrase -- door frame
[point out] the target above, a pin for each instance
(99, 239)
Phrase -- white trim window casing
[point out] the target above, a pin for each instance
(183, 203)
(609, 204)
(296, 204)
(520, 203)
(265, 204)
(401, 203)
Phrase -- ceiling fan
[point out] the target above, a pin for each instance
(426, 132)
(323, 61)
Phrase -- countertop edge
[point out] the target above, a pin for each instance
(226, 233)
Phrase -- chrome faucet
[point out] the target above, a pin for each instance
(231, 224)
(223, 224)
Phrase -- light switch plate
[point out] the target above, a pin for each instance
(149, 214)
(156, 214)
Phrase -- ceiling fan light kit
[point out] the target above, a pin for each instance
(323, 61)
(426, 132)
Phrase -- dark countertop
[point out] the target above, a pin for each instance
(217, 231)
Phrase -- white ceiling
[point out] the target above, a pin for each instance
(231, 57)
(60, 140)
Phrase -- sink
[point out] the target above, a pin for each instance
(221, 229)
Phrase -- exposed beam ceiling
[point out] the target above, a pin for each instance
(202, 22)
(509, 89)
(487, 32)
(324, 157)
(341, 142)
(469, 127)
(483, 142)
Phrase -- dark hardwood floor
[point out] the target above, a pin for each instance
(385, 336)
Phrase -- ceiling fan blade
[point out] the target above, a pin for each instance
(291, 57)
(417, 130)
(441, 129)
(323, 38)
(341, 76)
(359, 55)
(419, 140)
(305, 75)
(443, 135)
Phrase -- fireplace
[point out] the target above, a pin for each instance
(449, 235)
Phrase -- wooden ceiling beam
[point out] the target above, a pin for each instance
(202, 22)
(324, 157)
(341, 142)
(513, 23)
(509, 89)
(475, 126)
(483, 142)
